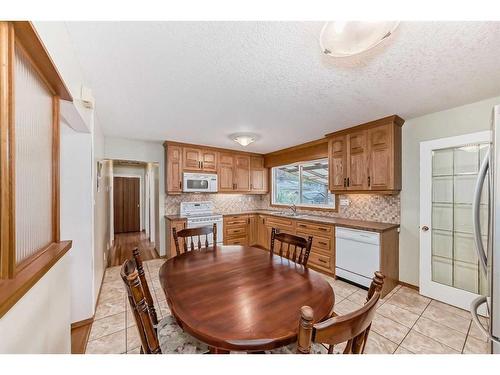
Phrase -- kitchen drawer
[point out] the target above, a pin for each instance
(313, 228)
(235, 220)
(323, 261)
(322, 243)
(236, 241)
(236, 231)
(278, 222)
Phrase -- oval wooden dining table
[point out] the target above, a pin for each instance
(241, 298)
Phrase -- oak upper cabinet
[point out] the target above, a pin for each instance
(226, 172)
(173, 169)
(337, 151)
(357, 158)
(209, 160)
(384, 158)
(199, 159)
(258, 175)
(368, 156)
(242, 173)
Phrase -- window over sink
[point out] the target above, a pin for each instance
(304, 184)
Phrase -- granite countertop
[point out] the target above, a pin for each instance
(341, 222)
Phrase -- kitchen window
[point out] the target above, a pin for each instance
(303, 184)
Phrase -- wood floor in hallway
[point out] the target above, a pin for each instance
(125, 243)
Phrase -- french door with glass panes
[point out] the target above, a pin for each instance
(449, 268)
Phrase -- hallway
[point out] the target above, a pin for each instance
(125, 243)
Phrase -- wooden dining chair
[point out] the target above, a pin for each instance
(142, 315)
(193, 234)
(353, 327)
(147, 293)
(166, 336)
(301, 247)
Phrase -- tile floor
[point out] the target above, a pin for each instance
(405, 323)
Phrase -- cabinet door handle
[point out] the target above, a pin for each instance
(368, 181)
(323, 229)
(201, 164)
(322, 243)
(348, 183)
(180, 185)
(322, 260)
(345, 182)
(251, 186)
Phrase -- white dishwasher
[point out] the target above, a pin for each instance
(357, 254)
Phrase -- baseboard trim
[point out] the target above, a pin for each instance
(411, 286)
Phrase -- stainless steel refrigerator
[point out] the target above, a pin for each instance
(489, 255)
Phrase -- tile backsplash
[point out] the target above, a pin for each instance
(371, 207)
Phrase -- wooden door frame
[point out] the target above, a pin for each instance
(141, 205)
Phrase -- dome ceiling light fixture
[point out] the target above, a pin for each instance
(244, 139)
(348, 38)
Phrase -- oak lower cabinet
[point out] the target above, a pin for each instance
(367, 157)
(178, 224)
(236, 229)
(322, 256)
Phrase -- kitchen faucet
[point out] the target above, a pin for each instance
(293, 207)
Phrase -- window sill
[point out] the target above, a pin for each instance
(12, 290)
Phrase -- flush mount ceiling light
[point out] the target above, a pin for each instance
(244, 139)
(347, 38)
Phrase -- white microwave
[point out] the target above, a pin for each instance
(199, 183)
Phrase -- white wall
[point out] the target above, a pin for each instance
(456, 121)
(40, 321)
(77, 218)
(152, 152)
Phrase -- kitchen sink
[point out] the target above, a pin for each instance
(288, 214)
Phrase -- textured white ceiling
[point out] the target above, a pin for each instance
(198, 82)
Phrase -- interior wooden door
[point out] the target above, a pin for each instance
(381, 164)
(357, 161)
(338, 155)
(126, 204)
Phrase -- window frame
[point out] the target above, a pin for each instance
(319, 207)
(17, 278)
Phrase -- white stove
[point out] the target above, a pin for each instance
(201, 214)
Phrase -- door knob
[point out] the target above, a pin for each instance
(425, 228)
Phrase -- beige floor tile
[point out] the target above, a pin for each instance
(420, 344)
(160, 295)
(476, 333)
(475, 346)
(162, 309)
(133, 339)
(401, 350)
(389, 329)
(110, 344)
(399, 315)
(110, 308)
(409, 299)
(105, 326)
(345, 307)
(112, 292)
(379, 345)
(441, 333)
(112, 274)
(135, 351)
(344, 289)
(451, 309)
(358, 297)
(443, 317)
